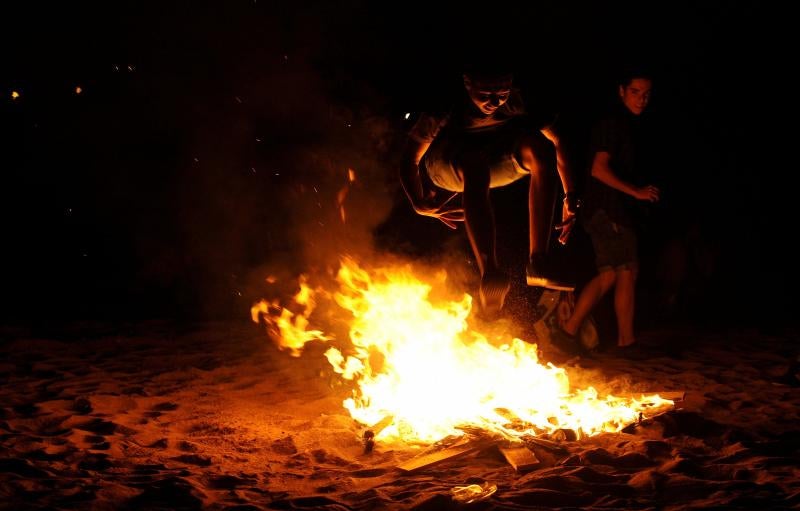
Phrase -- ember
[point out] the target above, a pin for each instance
(416, 359)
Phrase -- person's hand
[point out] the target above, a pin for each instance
(648, 193)
(441, 206)
(568, 219)
(569, 213)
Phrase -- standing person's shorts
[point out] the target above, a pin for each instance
(496, 145)
(615, 245)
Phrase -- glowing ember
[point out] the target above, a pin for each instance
(418, 361)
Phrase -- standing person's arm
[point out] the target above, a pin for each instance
(601, 170)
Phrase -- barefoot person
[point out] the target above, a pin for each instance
(610, 197)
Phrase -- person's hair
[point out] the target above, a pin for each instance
(632, 72)
(487, 65)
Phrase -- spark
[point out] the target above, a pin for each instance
(78, 90)
(14, 95)
(408, 114)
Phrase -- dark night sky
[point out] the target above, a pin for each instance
(210, 138)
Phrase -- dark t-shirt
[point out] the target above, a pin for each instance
(620, 134)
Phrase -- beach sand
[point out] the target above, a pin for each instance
(214, 416)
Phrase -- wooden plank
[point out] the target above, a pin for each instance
(678, 395)
(546, 444)
(382, 424)
(424, 460)
(374, 431)
(521, 458)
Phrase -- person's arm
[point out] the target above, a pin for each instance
(409, 171)
(601, 170)
(424, 200)
(565, 172)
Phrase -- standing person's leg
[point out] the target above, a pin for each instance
(624, 304)
(590, 296)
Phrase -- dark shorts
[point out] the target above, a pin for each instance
(497, 145)
(615, 245)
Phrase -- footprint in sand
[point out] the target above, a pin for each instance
(165, 407)
(229, 482)
(97, 442)
(159, 409)
(193, 459)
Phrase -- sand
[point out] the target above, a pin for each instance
(214, 416)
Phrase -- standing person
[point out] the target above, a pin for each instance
(486, 140)
(610, 201)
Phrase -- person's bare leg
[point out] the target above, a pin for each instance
(479, 220)
(479, 214)
(588, 298)
(538, 155)
(624, 301)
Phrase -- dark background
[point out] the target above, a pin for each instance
(210, 140)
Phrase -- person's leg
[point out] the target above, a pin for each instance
(624, 303)
(588, 298)
(479, 220)
(537, 155)
(478, 212)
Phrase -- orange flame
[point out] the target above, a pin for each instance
(419, 362)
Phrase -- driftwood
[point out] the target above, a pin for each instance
(521, 458)
(435, 455)
(371, 433)
(677, 396)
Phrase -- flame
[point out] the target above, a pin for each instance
(417, 360)
(290, 327)
(342, 195)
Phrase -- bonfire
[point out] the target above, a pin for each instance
(422, 373)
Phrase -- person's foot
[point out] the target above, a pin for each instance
(494, 288)
(540, 272)
(566, 342)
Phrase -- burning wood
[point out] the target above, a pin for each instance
(420, 372)
(437, 453)
(371, 433)
(521, 458)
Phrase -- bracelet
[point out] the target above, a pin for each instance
(572, 201)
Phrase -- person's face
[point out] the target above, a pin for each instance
(636, 94)
(488, 94)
